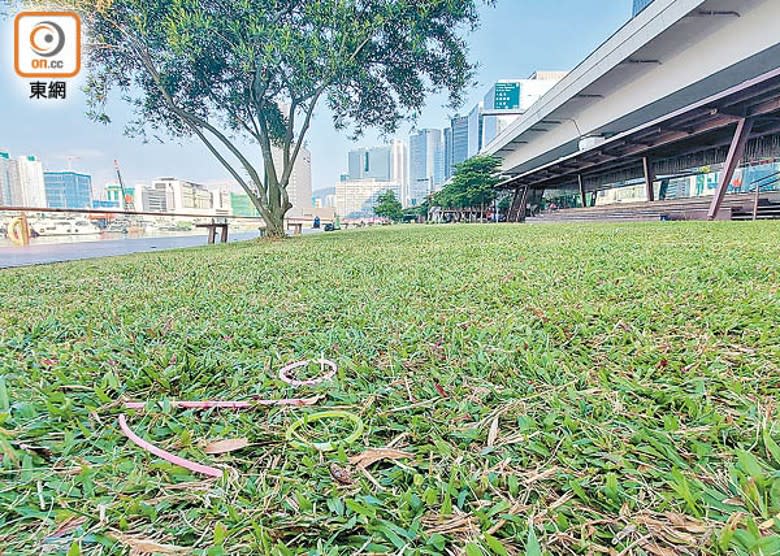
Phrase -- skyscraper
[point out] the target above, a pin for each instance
(29, 189)
(299, 186)
(474, 126)
(399, 170)
(68, 190)
(447, 153)
(426, 165)
(386, 163)
(372, 162)
(459, 126)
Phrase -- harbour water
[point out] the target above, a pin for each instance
(43, 250)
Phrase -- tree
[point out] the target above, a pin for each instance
(252, 72)
(388, 206)
(472, 186)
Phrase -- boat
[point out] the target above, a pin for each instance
(64, 227)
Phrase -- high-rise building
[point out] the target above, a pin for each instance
(68, 190)
(458, 150)
(384, 163)
(474, 127)
(447, 153)
(513, 96)
(29, 190)
(357, 198)
(640, 5)
(426, 165)
(374, 162)
(299, 186)
(9, 179)
(399, 167)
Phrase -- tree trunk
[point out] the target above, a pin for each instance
(274, 226)
(278, 205)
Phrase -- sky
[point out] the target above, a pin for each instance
(516, 38)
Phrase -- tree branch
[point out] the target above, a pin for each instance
(192, 121)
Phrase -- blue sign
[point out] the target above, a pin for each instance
(507, 96)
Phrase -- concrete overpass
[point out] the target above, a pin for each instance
(678, 59)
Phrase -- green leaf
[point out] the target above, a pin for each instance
(495, 545)
(532, 546)
(5, 405)
(771, 447)
(750, 465)
(473, 549)
(220, 533)
(361, 509)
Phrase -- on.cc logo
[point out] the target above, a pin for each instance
(47, 44)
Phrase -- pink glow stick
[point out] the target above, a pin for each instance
(167, 456)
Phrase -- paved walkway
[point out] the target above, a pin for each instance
(11, 256)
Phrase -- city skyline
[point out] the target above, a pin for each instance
(91, 148)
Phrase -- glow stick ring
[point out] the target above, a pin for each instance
(297, 441)
(285, 377)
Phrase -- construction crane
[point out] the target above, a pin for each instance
(127, 199)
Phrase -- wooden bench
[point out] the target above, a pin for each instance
(297, 227)
(212, 228)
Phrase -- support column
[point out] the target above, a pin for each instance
(662, 192)
(523, 204)
(511, 214)
(583, 196)
(736, 151)
(647, 166)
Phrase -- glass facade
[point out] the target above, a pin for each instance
(241, 205)
(373, 163)
(426, 164)
(640, 5)
(68, 190)
(460, 140)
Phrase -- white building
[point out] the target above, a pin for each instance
(399, 171)
(183, 196)
(383, 163)
(29, 190)
(221, 201)
(9, 179)
(356, 198)
(299, 186)
(151, 198)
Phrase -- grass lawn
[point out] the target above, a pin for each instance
(564, 389)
